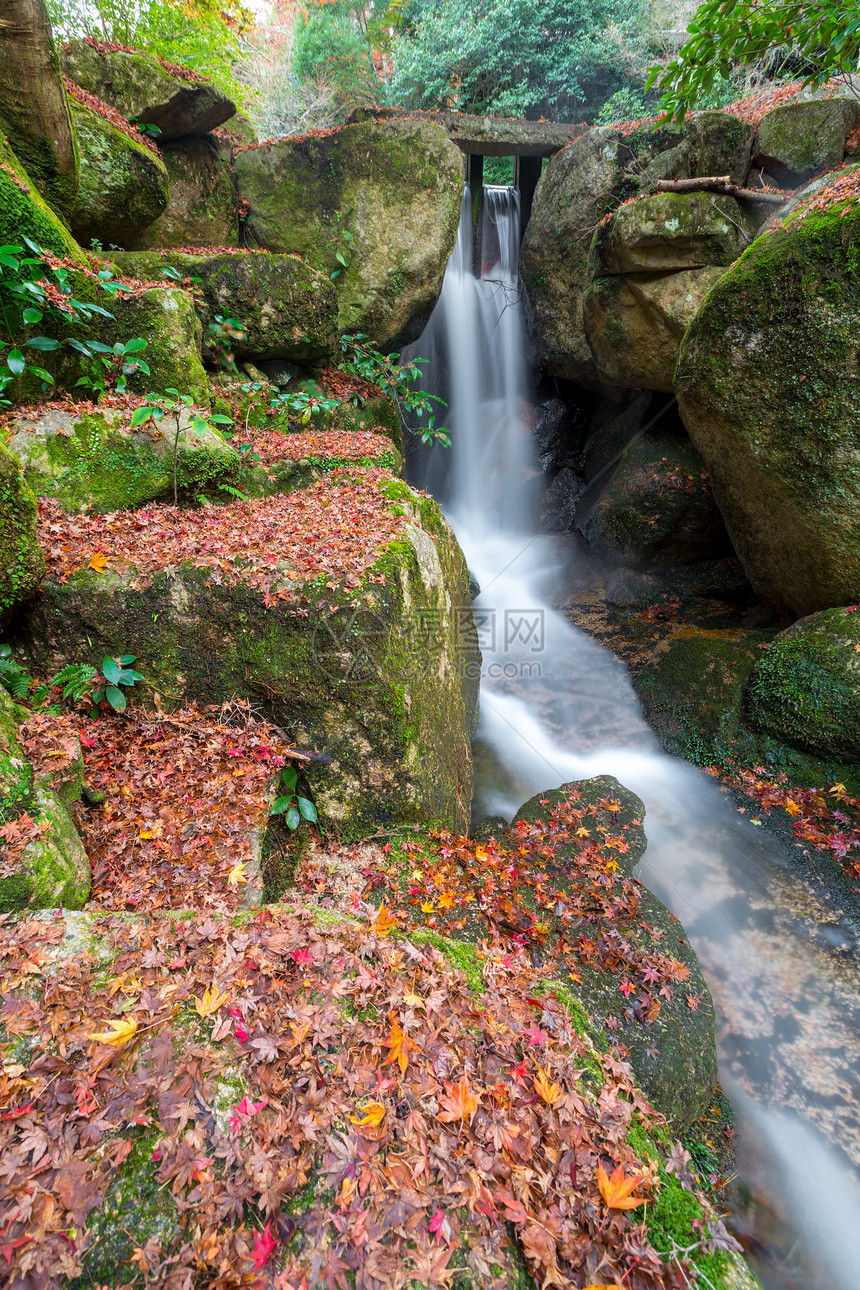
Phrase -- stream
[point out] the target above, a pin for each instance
(779, 952)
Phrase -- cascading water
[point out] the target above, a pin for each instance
(781, 964)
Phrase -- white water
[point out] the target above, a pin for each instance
(557, 707)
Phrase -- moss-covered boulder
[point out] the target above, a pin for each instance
(124, 185)
(167, 320)
(797, 138)
(93, 461)
(140, 86)
(587, 181)
(767, 388)
(655, 507)
(22, 565)
(43, 864)
(25, 213)
(203, 205)
(286, 308)
(668, 232)
(377, 204)
(681, 1079)
(805, 688)
(380, 681)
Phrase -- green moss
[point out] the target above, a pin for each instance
(460, 954)
(123, 186)
(22, 564)
(24, 212)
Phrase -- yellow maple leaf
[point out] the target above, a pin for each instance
(413, 1000)
(544, 1087)
(385, 921)
(123, 1031)
(427, 907)
(838, 791)
(583, 833)
(236, 875)
(400, 1044)
(616, 1190)
(98, 562)
(459, 1102)
(446, 901)
(373, 1113)
(210, 1003)
(791, 808)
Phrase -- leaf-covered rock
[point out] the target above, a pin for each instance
(140, 87)
(124, 186)
(378, 204)
(766, 383)
(203, 205)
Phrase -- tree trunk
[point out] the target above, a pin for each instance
(33, 104)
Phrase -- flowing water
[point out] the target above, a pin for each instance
(781, 963)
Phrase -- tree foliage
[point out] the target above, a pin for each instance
(816, 41)
(559, 58)
(332, 47)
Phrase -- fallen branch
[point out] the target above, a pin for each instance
(721, 184)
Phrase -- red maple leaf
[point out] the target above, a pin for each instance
(265, 1245)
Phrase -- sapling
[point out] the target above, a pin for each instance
(175, 406)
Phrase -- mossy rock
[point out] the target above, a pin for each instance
(681, 1080)
(384, 683)
(805, 688)
(668, 232)
(52, 870)
(22, 565)
(286, 308)
(124, 186)
(396, 188)
(168, 322)
(767, 388)
(25, 213)
(138, 86)
(91, 461)
(588, 180)
(656, 507)
(203, 209)
(797, 138)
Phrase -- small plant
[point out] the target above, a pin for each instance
(397, 380)
(292, 805)
(107, 367)
(341, 241)
(200, 421)
(304, 402)
(81, 682)
(221, 334)
(146, 127)
(12, 676)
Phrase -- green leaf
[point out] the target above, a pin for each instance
(340, 259)
(15, 361)
(294, 819)
(281, 804)
(111, 670)
(134, 346)
(41, 342)
(289, 776)
(42, 373)
(140, 415)
(31, 316)
(115, 697)
(127, 659)
(308, 810)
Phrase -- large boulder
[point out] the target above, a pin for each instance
(203, 206)
(656, 506)
(91, 460)
(124, 184)
(286, 308)
(797, 138)
(373, 669)
(766, 384)
(22, 565)
(43, 864)
(142, 88)
(681, 1081)
(805, 688)
(25, 213)
(377, 205)
(580, 186)
(166, 318)
(650, 267)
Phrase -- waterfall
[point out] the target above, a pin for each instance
(557, 707)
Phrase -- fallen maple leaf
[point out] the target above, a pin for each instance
(236, 875)
(210, 1003)
(459, 1101)
(385, 921)
(551, 1093)
(399, 1043)
(98, 562)
(123, 1031)
(616, 1190)
(373, 1114)
(265, 1245)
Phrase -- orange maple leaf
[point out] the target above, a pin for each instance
(792, 808)
(385, 921)
(616, 1190)
(373, 1113)
(550, 1092)
(459, 1101)
(98, 562)
(399, 1043)
(210, 1003)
